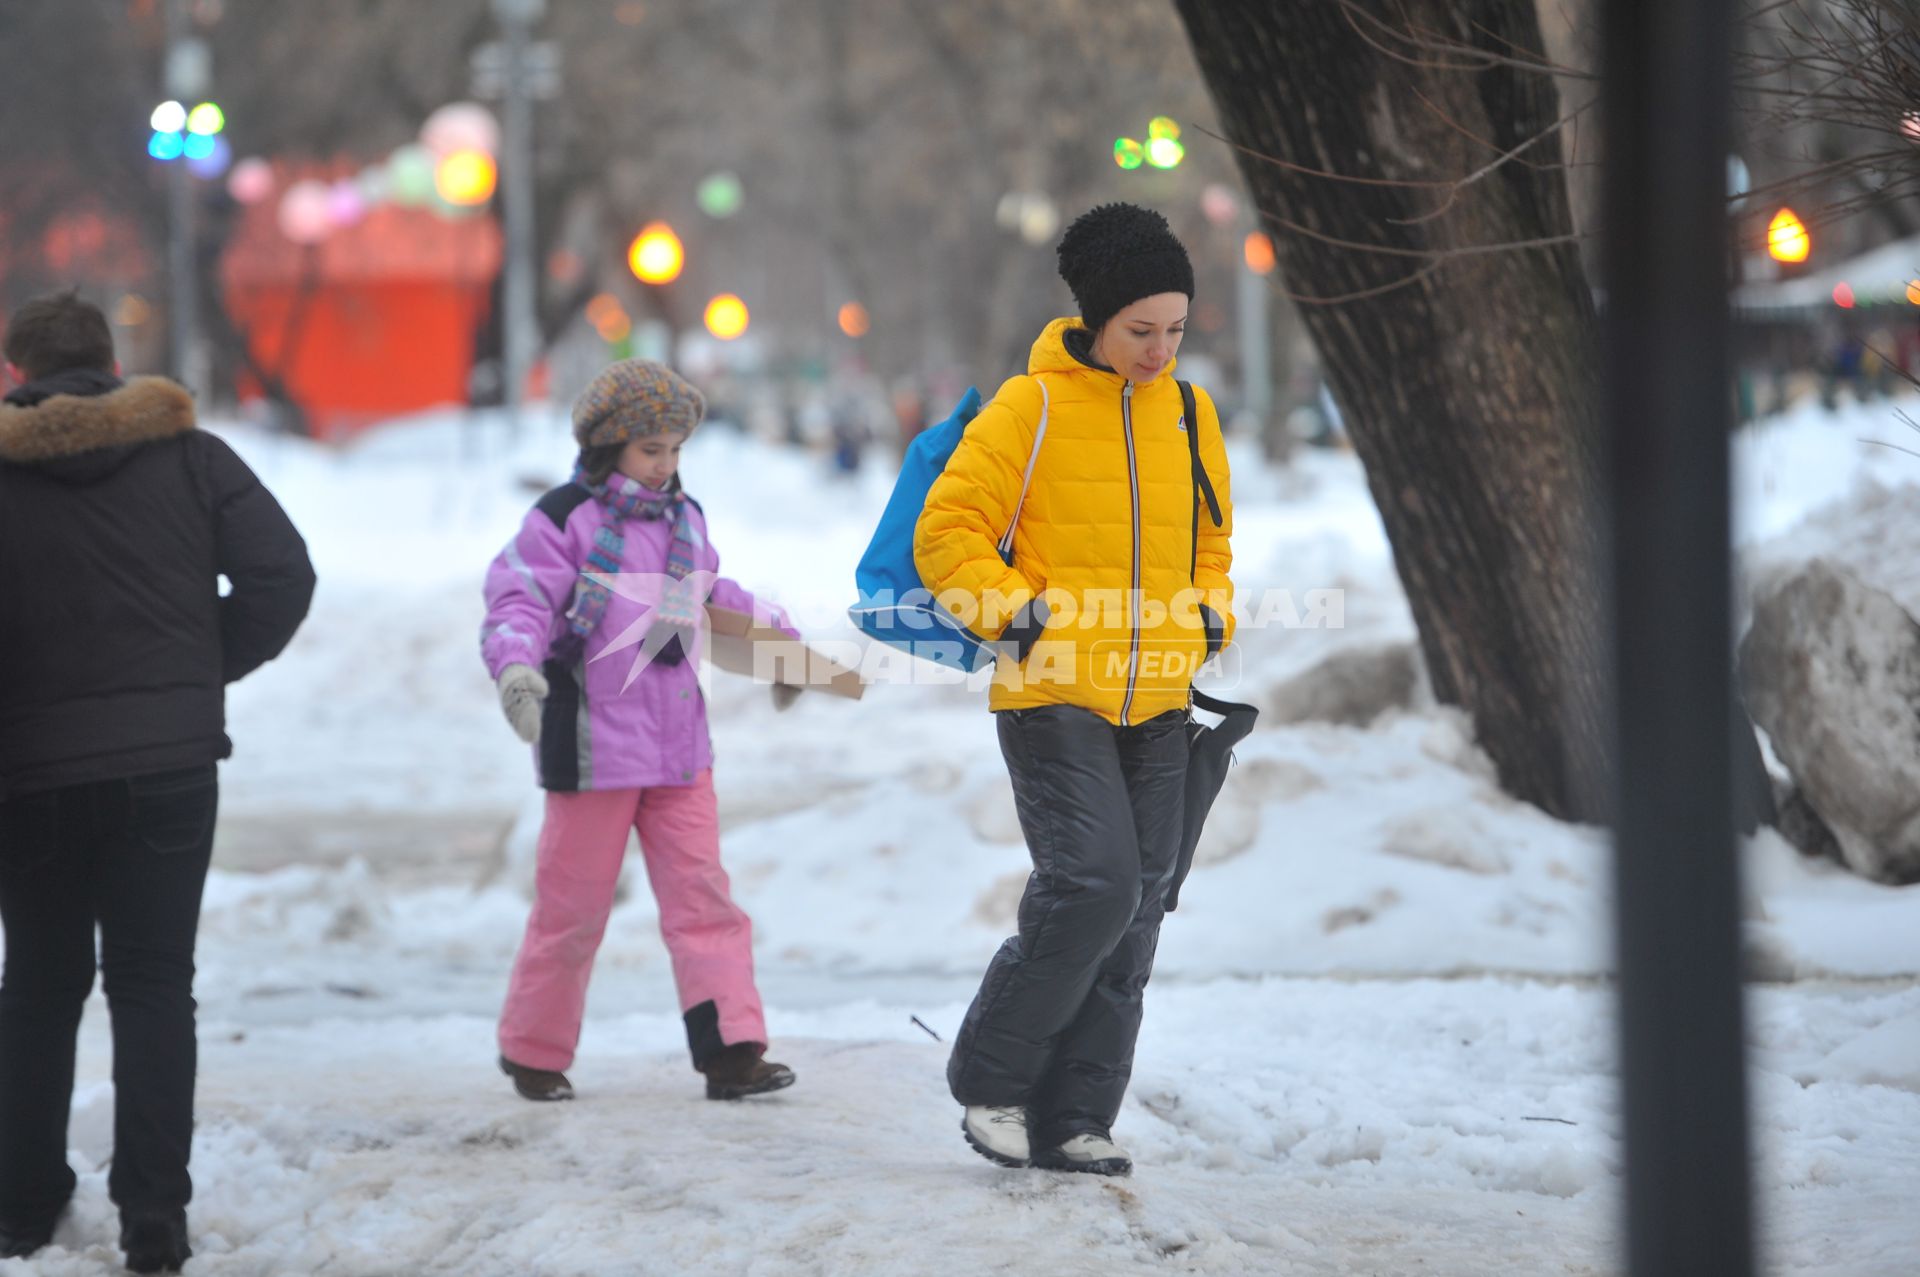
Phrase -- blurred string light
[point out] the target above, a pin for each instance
(375, 183)
(251, 180)
(1259, 254)
(206, 119)
(465, 179)
(410, 176)
(726, 316)
(132, 311)
(610, 319)
(461, 126)
(854, 320)
(1033, 217)
(346, 203)
(1220, 204)
(1165, 152)
(1913, 291)
(190, 135)
(1039, 220)
(656, 255)
(214, 162)
(1787, 239)
(305, 214)
(601, 306)
(1843, 295)
(720, 195)
(1162, 149)
(564, 266)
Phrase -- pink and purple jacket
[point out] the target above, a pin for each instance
(596, 731)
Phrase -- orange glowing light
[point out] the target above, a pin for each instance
(656, 254)
(1259, 253)
(726, 317)
(466, 179)
(1787, 239)
(854, 320)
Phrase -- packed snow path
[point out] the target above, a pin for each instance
(1379, 1039)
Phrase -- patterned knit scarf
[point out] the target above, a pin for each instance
(624, 498)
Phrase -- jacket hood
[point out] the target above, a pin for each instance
(79, 437)
(1053, 352)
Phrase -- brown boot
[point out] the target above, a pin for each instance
(537, 1084)
(738, 1071)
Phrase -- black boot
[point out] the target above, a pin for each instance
(155, 1242)
(737, 1071)
(537, 1084)
(18, 1241)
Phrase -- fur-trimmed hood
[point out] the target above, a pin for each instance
(68, 425)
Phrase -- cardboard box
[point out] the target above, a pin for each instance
(736, 643)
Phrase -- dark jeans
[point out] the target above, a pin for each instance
(130, 856)
(1054, 1024)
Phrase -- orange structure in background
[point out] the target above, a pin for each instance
(376, 320)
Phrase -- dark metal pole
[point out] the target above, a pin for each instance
(183, 310)
(519, 324)
(1666, 114)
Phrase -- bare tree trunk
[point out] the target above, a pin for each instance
(1467, 379)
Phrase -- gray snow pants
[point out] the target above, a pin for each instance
(1054, 1024)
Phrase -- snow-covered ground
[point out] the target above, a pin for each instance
(1379, 1037)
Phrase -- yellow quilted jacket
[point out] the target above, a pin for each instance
(1106, 535)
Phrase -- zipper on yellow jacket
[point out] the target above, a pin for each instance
(1133, 597)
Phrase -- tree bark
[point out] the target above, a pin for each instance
(1470, 393)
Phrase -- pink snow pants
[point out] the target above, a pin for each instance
(708, 936)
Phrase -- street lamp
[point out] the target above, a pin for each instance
(656, 255)
(726, 317)
(1787, 238)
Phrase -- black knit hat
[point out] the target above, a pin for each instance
(1115, 254)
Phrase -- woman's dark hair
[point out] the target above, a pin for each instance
(599, 460)
(56, 333)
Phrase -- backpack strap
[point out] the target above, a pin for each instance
(1202, 485)
(1006, 542)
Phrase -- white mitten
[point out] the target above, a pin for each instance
(784, 695)
(522, 691)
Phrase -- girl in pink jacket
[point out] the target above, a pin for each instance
(593, 612)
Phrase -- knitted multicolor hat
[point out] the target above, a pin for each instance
(636, 399)
(1115, 254)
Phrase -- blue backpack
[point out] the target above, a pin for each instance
(896, 607)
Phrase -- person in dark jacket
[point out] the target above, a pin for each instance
(117, 519)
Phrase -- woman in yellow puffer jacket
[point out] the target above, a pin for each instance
(1115, 591)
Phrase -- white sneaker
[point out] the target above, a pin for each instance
(997, 1134)
(1091, 1154)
